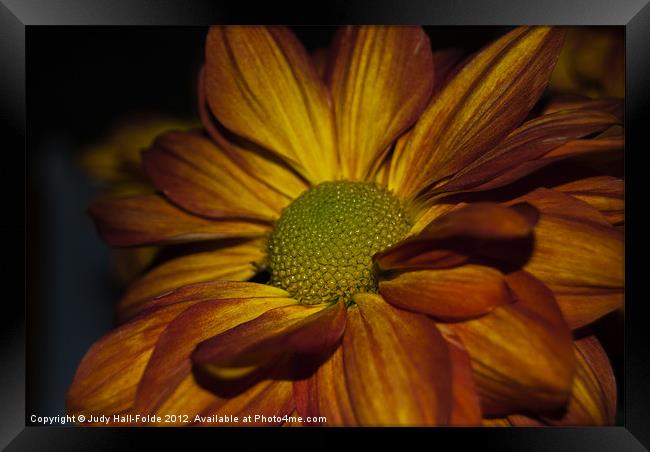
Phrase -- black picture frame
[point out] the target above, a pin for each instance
(17, 15)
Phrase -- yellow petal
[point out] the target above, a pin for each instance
(487, 98)
(195, 173)
(234, 262)
(381, 79)
(261, 84)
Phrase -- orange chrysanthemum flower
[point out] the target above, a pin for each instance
(396, 284)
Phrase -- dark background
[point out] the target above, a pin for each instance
(81, 81)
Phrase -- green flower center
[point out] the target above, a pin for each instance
(322, 245)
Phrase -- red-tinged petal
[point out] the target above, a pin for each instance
(521, 353)
(261, 84)
(577, 148)
(236, 262)
(578, 254)
(593, 396)
(483, 221)
(446, 64)
(170, 364)
(450, 294)
(397, 365)
(488, 97)
(199, 176)
(326, 394)
(320, 58)
(270, 339)
(574, 148)
(604, 193)
(451, 238)
(466, 410)
(556, 204)
(107, 378)
(610, 105)
(381, 78)
(532, 140)
(147, 219)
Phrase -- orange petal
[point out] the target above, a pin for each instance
(456, 293)
(381, 79)
(593, 397)
(271, 338)
(532, 140)
(261, 84)
(326, 394)
(170, 363)
(466, 410)
(604, 193)
(199, 176)
(488, 97)
(451, 238)
(397, 365)
(232, 262)
(107, 377)
(147, 219)
(521, 353)
(578, 255)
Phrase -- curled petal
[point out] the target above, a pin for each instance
(170, 367)
(578, 254)
(261, 84)
(488, 97)
(147, 219)
(475, 229)
(455, 293)
(397, 365)
(271, 338)
(521, 353)
(199, 176)
(381, 79)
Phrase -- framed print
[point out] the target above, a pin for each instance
(366, 216)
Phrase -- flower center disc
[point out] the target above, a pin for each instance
(322, 245)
